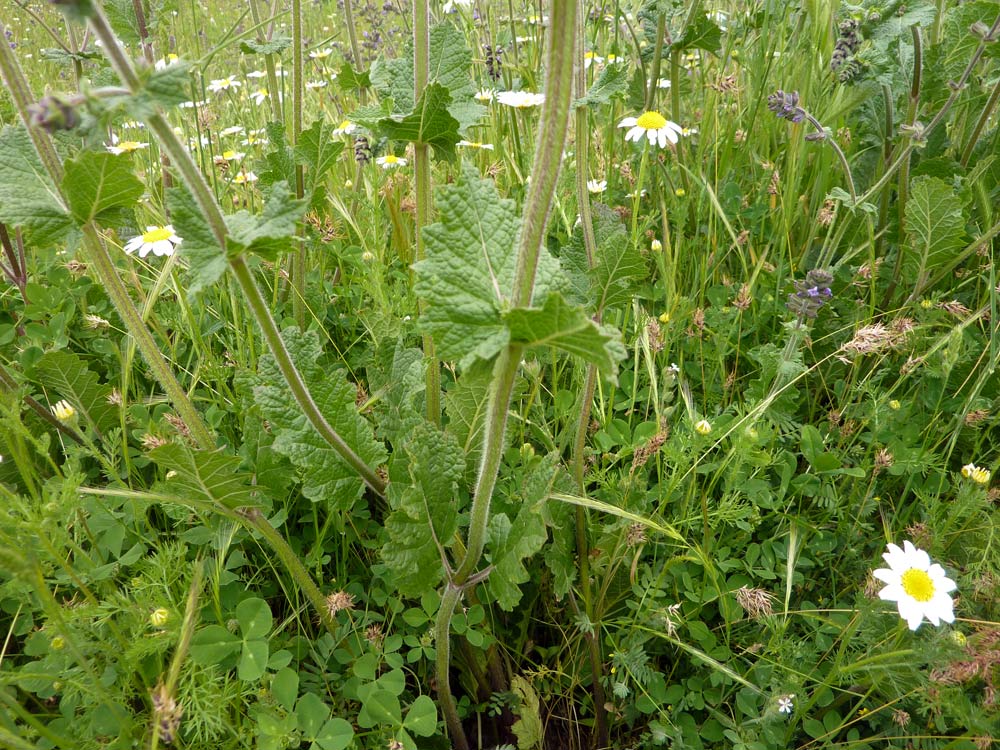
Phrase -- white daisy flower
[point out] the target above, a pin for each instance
(158, 240)
(223, 84)
(346, 127)
(485, 95)
(313, 85)
(475, 144)
(256, 74)
(390, 161)
(520, 99)
(259, 96)
(229, 155)
(449, 7)
(597, 186)
(245, 178)
(653, 126)
(191, 105)
(663, 83)
(591, 58)
(321, 54)
(125, 147)
(919, 587)
(977, 474)
(166, 62)
(232, 130)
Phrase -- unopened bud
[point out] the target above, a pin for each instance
(54, 112)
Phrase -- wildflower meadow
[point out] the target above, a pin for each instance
(567, 374)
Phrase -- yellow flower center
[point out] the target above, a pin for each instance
(128, 145)
(918, 584)
(390, 159)
(157, 235)
(651, 121)
(344, 125)
(228, 154)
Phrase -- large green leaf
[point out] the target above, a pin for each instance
(425, 479)
(206, 259)
(935, 225)
(318, 150)
(430, 122)
(610, 84)
(65, 375)
(211, 477)
(468, 272)
(99, 184)
(270, 232)
(28, 198)
(326, 477)
(569, 329)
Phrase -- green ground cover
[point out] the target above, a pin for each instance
(602, 375)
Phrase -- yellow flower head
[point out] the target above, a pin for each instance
(976, 474)
(703, 427)
(63, 411)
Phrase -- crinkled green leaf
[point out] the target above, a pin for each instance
(512, 542)
(468, 271)
(396, 382)
(610, 84)
(206, 260)
(528, 728)
(65, 375)
(271, 46)
(270, 232)
(424, 481)
(161, 89)
(326, 477)
(430, 123)
(211, 477)
(279, 161)
(569, 329)
(935, 226)
(701, 32)
(618, 266)
(28, 198)
(349, 79)
(97, 184)
(318, 150)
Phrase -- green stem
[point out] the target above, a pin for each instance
(654, 74)
(299, 262)
(102, 263)
(272, 76)
(981, 123)
(424, 195)
(202, 194)
(545, 171)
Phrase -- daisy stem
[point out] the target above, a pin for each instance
(424, 195)
(299, 258)
(551, 138)
(212, 213)
(637, 193)
(101, 261)
(272, 76)
(654, 74)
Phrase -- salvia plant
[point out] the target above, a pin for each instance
(499, 375)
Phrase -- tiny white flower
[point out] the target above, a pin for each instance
(245, 178)
(256, 74)
(484, 95)
(166, 62)
(158, 240)
(591, 58)
(703, 427)
(223, 84)
(663, 83)
(321, 54)
(232, 130)
(346, 127)
(314, 85)
(919, 587)
(126, 147)
(476, 145)
(63, 411)
(786, 704)
(597, 186)
(259, 96)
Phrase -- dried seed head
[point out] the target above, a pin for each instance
(339, 601)
(756, 602)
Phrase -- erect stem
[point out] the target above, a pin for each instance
(422, 188)
(272, 77)
(102, 263)
(203, 196)
(984, 117)
(299, 262)
(654, 74)
(545, 171)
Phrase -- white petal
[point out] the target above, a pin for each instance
(892, 593)
(144, 250)
(162, 247)
(628, 122)
(912, 612)
(133, 244)
(887, 576)
(670, 134)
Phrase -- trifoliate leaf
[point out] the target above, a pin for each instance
(98, 184)
(28, 199)
(424, 482)
(209, 477)
(935, 225)
(326, 477)
(569, 329)
(206, 260)
(468, 273)
(430, 123)
(270, 232)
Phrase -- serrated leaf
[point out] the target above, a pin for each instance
(424, 482)
(610, 84)
(318, 150)
(211, 477)
(468, 272)
(618, 266)
(397, 386)
(28, 198)
(326, 477)
(270, 232)
(279, 161)
(430, 122)
(569, 329)
(511, 542)
(161, 89)
(348, 79)
(935, 225)
(393, 80)
(271, 46)
(65, 375)
(62, 57)
(528, 728)
(96, 184)
(206, 260)
(700, 33)
(465, 405)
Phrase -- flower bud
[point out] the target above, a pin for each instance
(54, 112)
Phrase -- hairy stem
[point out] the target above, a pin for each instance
(299, 258)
